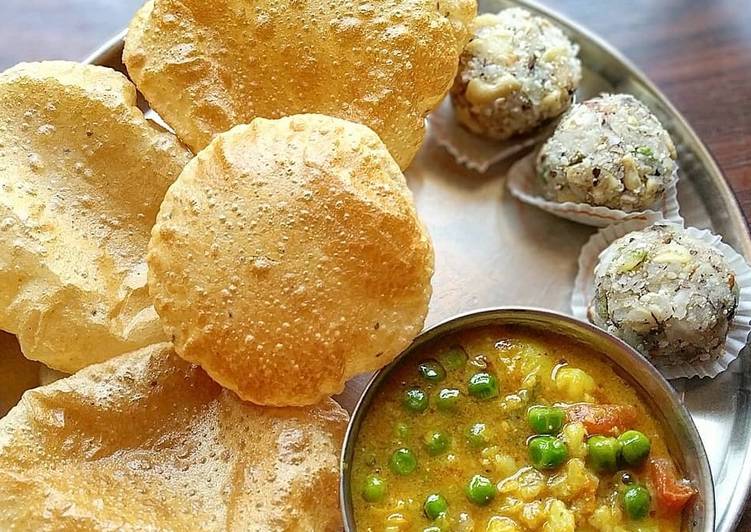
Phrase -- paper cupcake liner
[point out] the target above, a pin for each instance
(473, 151)
(523, 184)
(739, 328)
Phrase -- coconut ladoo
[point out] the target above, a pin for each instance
(608, 151)
(518, 72)
(671, 296)
(82, 175)
(208, 66)
(288, 257)
(148, 441)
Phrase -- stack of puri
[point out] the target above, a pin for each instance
(210, 289)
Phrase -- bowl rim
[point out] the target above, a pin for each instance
(704, 518)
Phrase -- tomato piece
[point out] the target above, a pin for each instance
(602, 419)
(672, 492)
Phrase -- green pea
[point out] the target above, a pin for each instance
(403, 461)
(478, 435)
(480, 490)
(415, 400)
(483, 386)
(453, 358)
(645, 150)
(546, 419)
(636, 501)
(431, 370)
(374, 489)
(603, 453)
(436, 442)
(635, 447)
(435, 505)
(547, 452)
(401, 429)
(448, 399)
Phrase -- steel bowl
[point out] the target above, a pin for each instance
(681, 435)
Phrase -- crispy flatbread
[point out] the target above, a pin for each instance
(208, 66)
(147, 441)
(82, 175)
(288, 257)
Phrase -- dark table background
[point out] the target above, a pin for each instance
(697, 51)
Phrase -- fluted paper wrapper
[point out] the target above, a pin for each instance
(523, 183)
(739, 328)
(473, 151)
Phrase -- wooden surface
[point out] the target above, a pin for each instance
(697, 52)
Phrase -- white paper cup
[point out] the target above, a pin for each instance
(473, 151)
(740, 327)
(524, 185)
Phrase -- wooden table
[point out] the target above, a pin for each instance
(698, 52)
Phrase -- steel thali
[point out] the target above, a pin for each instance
(492, 250)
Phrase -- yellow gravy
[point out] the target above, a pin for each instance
(439, 431)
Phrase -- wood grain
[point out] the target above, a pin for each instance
(697, 51)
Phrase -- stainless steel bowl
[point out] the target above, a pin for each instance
(682, 437)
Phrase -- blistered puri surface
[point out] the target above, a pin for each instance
(82, 175)
(208, 66)
(288, 257)
(147, 441)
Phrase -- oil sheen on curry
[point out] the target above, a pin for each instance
(510, 429)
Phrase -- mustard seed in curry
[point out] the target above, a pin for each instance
(504, 429)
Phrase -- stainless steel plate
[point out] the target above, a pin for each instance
(492, 250)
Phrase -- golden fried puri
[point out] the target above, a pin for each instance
(147, 441)
(17, 373)
(82, 174)
(208, 66)
(288, 257)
